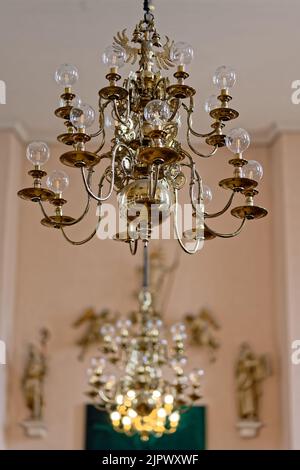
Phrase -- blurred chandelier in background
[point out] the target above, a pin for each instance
(147, 165)
(139, 380)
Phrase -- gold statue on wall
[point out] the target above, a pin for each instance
(93, 321)
(251, 370)
(36, 369)
(202, 328)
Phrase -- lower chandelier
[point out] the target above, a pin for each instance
(153, 390)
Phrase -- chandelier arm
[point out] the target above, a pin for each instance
(104, 397)
(227, 235)
(190, 111)
(85, 240)
(101, 114)
(156, 176)
(195, 151)
(102, 141)
(217, 214)
(81, 217)
(113, 158)
(195, 249)
(133, 244)
(177, 106)
(118, 116)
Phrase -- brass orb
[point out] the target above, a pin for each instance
(36, 194)
(57, 221)
(249, 212)
(79, 158)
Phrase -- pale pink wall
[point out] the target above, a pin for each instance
(233, 277)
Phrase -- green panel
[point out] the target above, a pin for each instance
(190, 434)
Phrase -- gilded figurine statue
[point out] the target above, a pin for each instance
(36, 369)
(251, 370)
(94, 321)
(202, 329)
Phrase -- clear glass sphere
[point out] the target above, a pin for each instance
(66, 75)
(178, 331)
(253, 170)
(98, 362)
(196, 376)
(211, 103)
(124, 324)
(237, 140)
(57, 181)
(182, 53)
(114, 56)
(157, 112)
(207, 193)
(107, 330)
(38, 153)
(83, 116)
(134, 198)
(76, 102)
(224, 77)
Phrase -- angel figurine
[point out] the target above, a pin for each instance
(251, 370)
(202, 328)
(33, 380)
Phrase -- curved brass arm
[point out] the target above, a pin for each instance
(85, 240)
(189, 123)
(80, 218)
(196, 247)
(226, 235)
(113, 158)
(216, 214)
(195, 151)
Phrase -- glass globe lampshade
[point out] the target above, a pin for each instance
(38, 153)
(114, 56)
(253, 170)
(66, 75)
(134, 200)
(57, 181)
(157, 112)
(83, 116)
(237, 140)
(211, 103)
(224, 77)
(182, 53)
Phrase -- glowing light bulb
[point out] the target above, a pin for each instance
(168, 399)
(161, 413)
(115, 416)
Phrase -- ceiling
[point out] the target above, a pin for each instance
(260, 38)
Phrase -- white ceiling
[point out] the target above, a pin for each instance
(260, 38)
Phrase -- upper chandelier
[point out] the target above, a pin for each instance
(147, 165)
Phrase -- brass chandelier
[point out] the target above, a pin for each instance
(147, 166)
(138, 378)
